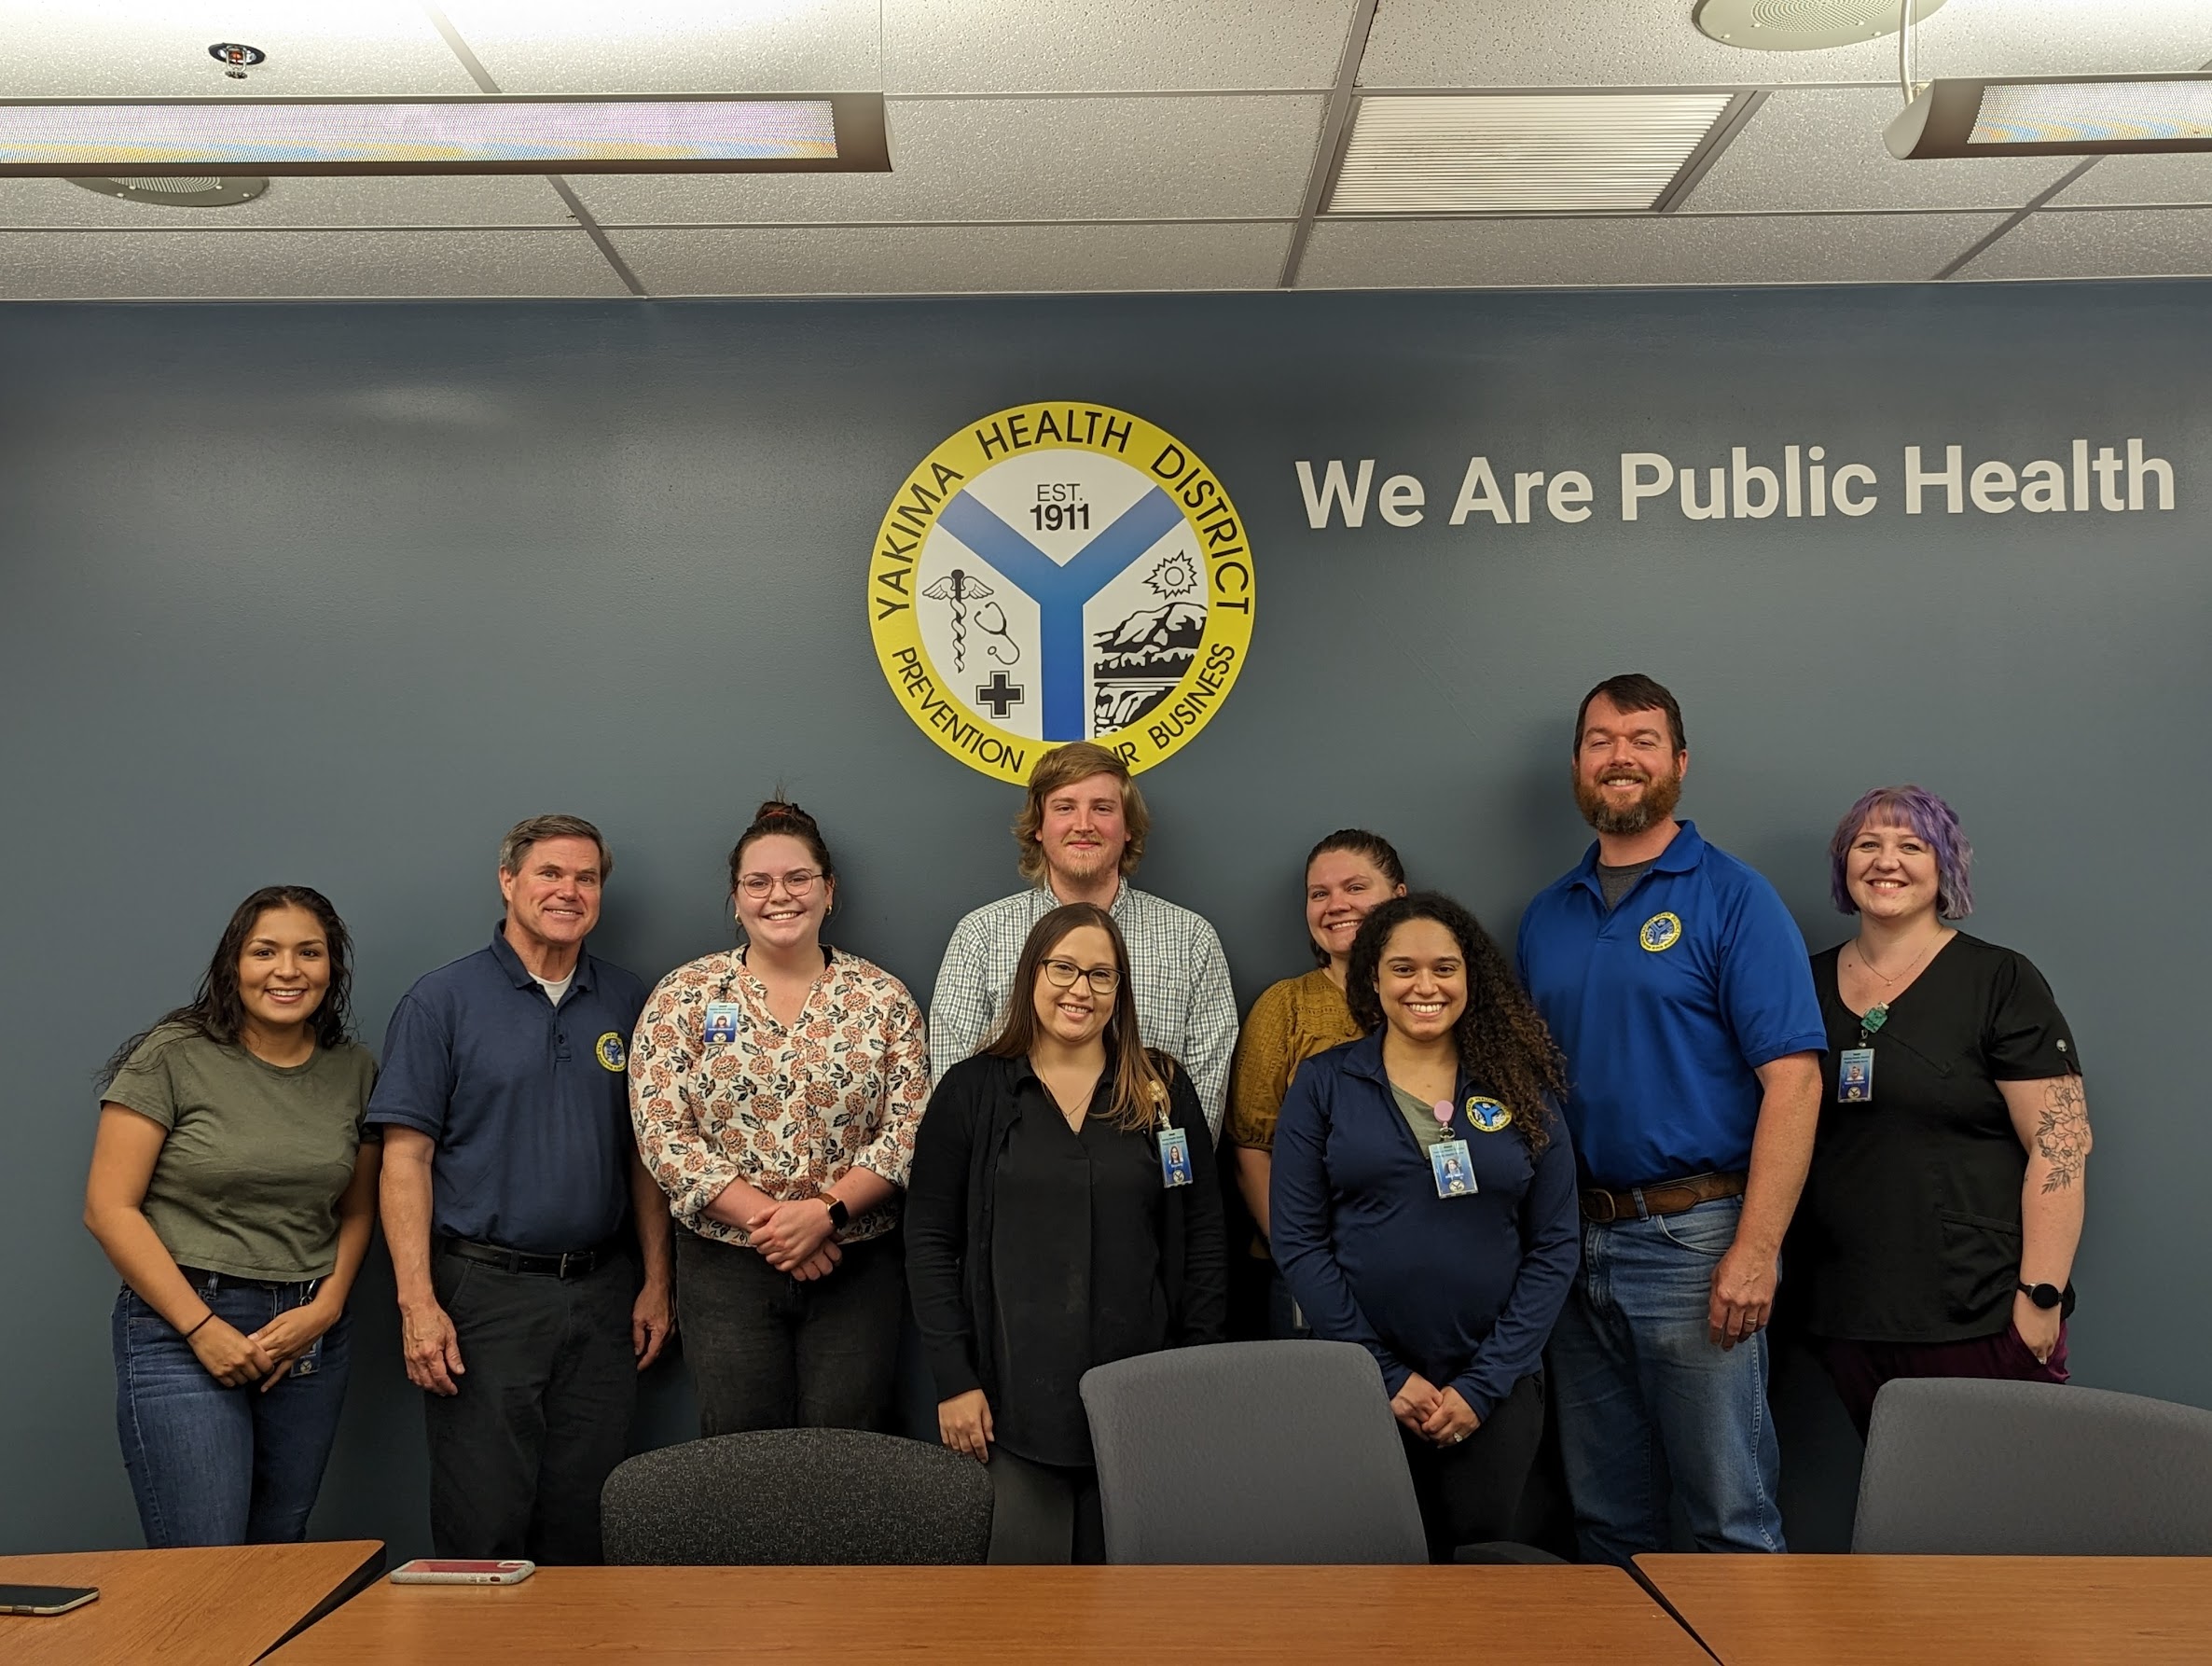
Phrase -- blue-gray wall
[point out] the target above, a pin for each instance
(335, 594)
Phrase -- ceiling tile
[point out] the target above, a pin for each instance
(1636, 249)
(673, 46)
(1809, 148)
(320, 265)
(157, 48)
(1600, 43)
(965, 260)
(1019, 160)
(437, 200)
(2154, 243)
(1112, 45)
(2129, 179)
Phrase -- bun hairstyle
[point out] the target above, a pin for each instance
(1371, 848)
(781, 815)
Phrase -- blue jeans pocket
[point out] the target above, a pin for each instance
(1708, 1229)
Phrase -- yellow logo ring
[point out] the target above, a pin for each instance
(1660, 932)
(1006, 556)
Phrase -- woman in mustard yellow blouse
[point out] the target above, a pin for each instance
(1346, 875)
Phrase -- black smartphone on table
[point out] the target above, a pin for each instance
(45, 1599)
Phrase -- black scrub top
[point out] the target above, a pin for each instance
(1075, 1254)
(1910, 1226)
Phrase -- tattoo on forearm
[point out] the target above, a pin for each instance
(2062, 1132)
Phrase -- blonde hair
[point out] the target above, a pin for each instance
(1063, 765)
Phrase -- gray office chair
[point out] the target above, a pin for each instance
(1251, 1452)
(807, 1497)
(1961, 1466)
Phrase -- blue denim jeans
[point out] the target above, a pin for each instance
(216, 1465)
(1648, 1410)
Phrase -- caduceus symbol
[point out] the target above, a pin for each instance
(956, 587)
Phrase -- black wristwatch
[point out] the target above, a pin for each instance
(2050, 1296)
(839, 1214)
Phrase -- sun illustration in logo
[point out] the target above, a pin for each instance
(1172, 575)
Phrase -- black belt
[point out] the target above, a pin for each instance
(569, 1264)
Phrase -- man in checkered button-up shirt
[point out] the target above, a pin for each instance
(1081, 834)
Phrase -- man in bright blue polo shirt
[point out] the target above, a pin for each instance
(511, 1192)
(1678, 987)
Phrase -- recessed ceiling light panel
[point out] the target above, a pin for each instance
(43, 137)
(1803, 25)
(2099, 116)
(1521, 153)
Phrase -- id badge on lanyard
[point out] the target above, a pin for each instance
(1175, 1156)
(1855, 1065)
(1449, 1160)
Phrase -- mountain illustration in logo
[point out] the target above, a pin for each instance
(1137, 664)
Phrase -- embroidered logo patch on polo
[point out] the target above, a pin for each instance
(1661, 931)
(611, 1051)
(1489, 1115)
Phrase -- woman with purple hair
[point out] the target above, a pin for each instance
(1943, 1206)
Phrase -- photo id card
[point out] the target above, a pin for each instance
(1175, 1156)
(1854, 1076)
(1455, 1173)
(722, 1023)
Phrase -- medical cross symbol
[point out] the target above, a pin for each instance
(1061, 590)
(998, 694)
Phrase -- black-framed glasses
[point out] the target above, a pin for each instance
(798, 883)
(1062, 974)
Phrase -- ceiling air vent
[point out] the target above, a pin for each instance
(178, 193)
(1803, 26)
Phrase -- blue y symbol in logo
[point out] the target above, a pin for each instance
(1060, 591)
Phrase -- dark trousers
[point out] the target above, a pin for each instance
(772, 1352)
(1471, 1493)
(1044, 1512)
(519, 1456)
(1859, 1370)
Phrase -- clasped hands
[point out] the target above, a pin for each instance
(235, 1359)
(795, 1238)
(1438, 1416)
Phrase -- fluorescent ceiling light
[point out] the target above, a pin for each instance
(2091, 115)
(601, 134)
(1524, 153)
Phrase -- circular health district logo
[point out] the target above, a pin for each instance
(1660, 932)
(1060, 572)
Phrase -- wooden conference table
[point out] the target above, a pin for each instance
(219, 1607)
(980, 1615)
(1949, 1610)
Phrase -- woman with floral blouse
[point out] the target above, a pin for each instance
(776, 1089)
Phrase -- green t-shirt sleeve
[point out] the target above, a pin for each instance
(144, 1084)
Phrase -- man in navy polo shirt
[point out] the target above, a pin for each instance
(1678, 987)
(511, 1193)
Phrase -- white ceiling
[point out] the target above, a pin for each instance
(1085, 145)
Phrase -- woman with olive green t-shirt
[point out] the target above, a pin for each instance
(233, 1191)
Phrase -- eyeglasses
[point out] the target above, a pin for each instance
(1062, 974)
(798, 883)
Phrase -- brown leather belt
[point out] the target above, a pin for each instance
(1603, 1206)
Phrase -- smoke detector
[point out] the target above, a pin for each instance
(1803, 26)
(179, 193)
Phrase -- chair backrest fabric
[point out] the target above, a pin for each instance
(1964, 1466)
(1251, 1452)
(803, 1497)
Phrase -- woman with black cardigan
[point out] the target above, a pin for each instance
(1062, 1213)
